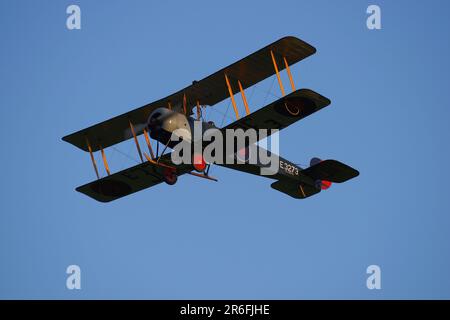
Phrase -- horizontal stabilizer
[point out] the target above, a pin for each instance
(331, 170)
(295, 190)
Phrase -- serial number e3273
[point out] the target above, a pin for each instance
(289, 168)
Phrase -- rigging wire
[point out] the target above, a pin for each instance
(251, 96)
(269, 92)
(273, 94)
(126, 155)
(111, 156)
(225, 114)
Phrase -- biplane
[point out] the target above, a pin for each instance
(159, 119)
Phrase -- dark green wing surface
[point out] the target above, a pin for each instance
(208, 91)
(283, 112)
(129, 181)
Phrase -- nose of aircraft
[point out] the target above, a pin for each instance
(155, 120)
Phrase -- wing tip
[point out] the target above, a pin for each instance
(326, 101)
(101, 200)
(69, 139)
(65, 138)
(290, 38)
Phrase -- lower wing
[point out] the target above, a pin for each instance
(131, 180)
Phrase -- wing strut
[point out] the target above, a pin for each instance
(159, 163)
(288, 70)
(92, 158)
(136, 141)
(278, 74)
(105, 162)
(244, 99)
(230, 91)
(147, 139)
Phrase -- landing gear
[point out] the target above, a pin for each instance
(170, 176)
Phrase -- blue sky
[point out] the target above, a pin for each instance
(236, 239)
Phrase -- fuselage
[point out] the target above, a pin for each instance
(169, 127)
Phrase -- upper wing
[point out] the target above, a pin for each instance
(209, 91)
(130, 180)
(283, 112)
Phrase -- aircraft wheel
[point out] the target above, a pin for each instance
(170, 177)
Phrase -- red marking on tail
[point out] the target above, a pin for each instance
(325, 184)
